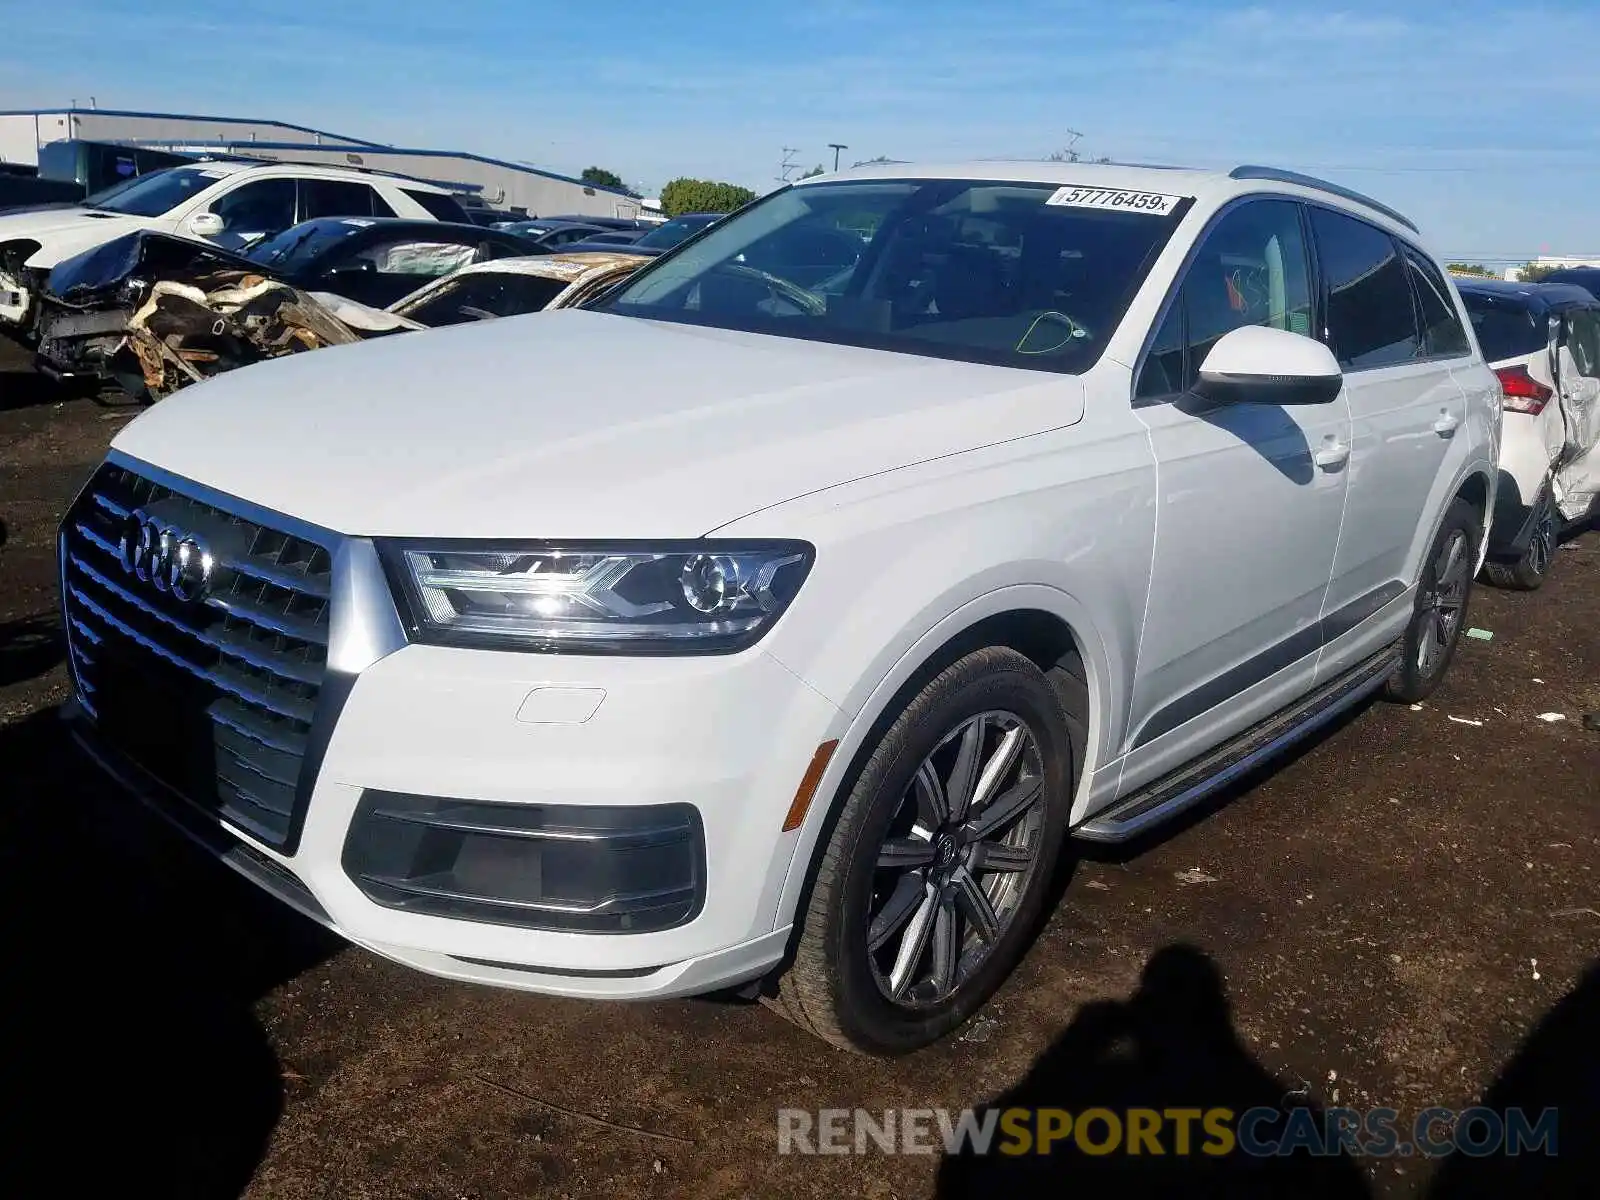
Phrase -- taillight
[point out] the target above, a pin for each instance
(1523, 393)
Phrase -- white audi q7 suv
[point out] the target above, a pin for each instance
(774, 619)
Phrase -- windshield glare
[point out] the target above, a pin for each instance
(668, 235)
(976, 270)
(155, 194)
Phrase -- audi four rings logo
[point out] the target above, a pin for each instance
(169, 558)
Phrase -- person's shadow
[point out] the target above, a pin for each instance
(1557, 1067)
(132, 1057)
(1170, 1046)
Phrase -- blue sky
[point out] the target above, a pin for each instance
(1478, 118)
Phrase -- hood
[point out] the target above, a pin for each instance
(62, 232)
(95, 276)
(578, 424)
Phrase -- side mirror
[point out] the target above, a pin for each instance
(206, 224)
(1259, 365)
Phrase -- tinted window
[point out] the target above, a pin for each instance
(1250, 269)
(984, 271)
(265, 206)
(334, 198)
(1163, 373)
(1370, 318)
(480, 295)
(1442, 331)
(295, 249)
(1506, 328)
(440, 207)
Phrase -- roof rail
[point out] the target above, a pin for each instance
(1278, 175)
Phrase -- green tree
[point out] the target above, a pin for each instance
(703, 195)
(1533, 272)
(816, 170)
(1469, 269)
(601, 177)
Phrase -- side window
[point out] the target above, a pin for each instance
(424, 260)
(1442, 332)
(1162, 373)
(334, 198)
(1583, 339)
(1249, 270)
(1371, 322)
(265, 206)
(438, 205)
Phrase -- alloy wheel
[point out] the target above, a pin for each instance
(1542, 546)
(957, 859)
(1442, 607)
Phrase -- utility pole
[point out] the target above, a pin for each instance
(788, 165)
(836, 147)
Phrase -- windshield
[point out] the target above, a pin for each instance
(300, 244)
(665, 237)
(1016, 274)
(1505, 328)
(154, 194)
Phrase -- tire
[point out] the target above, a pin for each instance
(1531, 570)
(1440, 615)
(863, 999)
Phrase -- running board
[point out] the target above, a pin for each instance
(1188, 785)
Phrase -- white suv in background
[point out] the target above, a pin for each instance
(229, 203)
(775, 626)
(1543, 342)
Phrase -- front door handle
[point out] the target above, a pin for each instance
(1445, 426)
(1332, 456)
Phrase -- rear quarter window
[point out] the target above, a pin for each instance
(439, 207)
(1505, 327)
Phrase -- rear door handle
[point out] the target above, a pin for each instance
(1445, 426)
(1332, 456)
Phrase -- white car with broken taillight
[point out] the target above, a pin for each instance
(774, 619)
(1543, 342)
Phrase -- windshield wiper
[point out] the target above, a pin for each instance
(279, 256)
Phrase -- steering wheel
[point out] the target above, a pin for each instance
(808, 302)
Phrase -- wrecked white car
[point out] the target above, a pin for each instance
(152, 313)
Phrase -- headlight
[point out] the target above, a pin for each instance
(596, 598)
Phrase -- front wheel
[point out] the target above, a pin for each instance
(1440, 614)
(932, 883)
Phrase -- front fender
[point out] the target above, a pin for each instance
(1105, 668)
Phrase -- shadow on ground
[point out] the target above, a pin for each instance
(1170, 1046)
(1557, 1067)
(29, 646)
(132, 963)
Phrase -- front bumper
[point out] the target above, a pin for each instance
(730, 736)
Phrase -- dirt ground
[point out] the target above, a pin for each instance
(1405, 914)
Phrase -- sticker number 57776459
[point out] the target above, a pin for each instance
(1153, 203)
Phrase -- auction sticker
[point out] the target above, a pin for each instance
(1153, 203)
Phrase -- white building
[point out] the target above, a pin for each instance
(1554, 261)
(497, 182)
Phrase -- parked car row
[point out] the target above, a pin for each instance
(153, 313)
(771, 619)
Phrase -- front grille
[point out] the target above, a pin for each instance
(214, 696)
